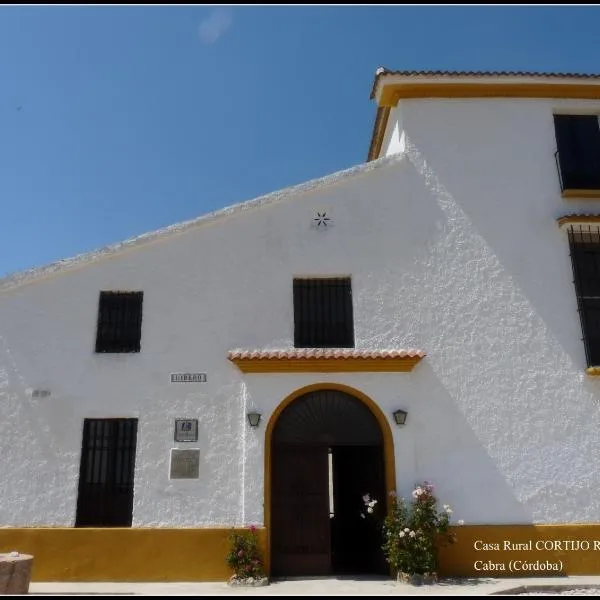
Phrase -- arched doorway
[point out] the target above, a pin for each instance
(327, 447)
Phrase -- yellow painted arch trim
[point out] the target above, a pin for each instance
(384, 424)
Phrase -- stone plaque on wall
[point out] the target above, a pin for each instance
(185, 464)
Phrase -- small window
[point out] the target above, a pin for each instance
(578, 154)
(119, 322)
(323, 315)
(584, 242)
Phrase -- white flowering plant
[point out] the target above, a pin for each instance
(413, 532)
(369, 504)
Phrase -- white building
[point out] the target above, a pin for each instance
(434, 279)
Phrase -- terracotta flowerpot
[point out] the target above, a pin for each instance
(15, 573)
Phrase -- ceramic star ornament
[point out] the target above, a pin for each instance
(322, 220)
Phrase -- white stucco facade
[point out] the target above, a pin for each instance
(453, 248)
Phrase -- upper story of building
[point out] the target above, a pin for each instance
(450, 243)
(492, 122)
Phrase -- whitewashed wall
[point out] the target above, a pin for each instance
(452, 248)
(394, 141)
(509, 349)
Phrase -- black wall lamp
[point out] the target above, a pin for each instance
(253, 418)
(400, 417)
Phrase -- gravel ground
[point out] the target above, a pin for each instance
(591, 591)
(336, 586)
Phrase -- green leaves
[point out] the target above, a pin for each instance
(413, 531)
(243, 556)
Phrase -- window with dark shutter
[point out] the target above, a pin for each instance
(578, 154)
(119, 322)
(323, 316)
(106, 473)
(584, 242)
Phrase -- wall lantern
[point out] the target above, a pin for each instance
(253, 419)
(400, 417)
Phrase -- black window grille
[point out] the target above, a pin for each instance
(323, 315)
(584, 242)
(119, 322)
(105, 497)
(578, 154)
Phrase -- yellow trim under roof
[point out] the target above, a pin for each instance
(326, 365)
(577, 220)
(393, 92)
(390, 87)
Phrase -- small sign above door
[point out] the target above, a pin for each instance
(188, 377)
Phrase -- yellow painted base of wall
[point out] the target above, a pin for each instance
(136, 554)
(563, 546)
(145, 554)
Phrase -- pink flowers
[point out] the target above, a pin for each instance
(424, 492)
(244, 555)
(420, 493)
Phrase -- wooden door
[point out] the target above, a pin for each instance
(300, 530)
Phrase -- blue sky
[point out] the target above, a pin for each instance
(134, 118)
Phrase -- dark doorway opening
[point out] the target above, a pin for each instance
(327, 453)
(105, 497)
(355, 534)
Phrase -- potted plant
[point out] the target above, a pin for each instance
(244, 559)
(413, 532)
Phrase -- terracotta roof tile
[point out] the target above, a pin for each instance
(340, 353)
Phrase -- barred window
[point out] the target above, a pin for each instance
(323, 315)
(106, 473)
(584, 242)
(119, 322)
